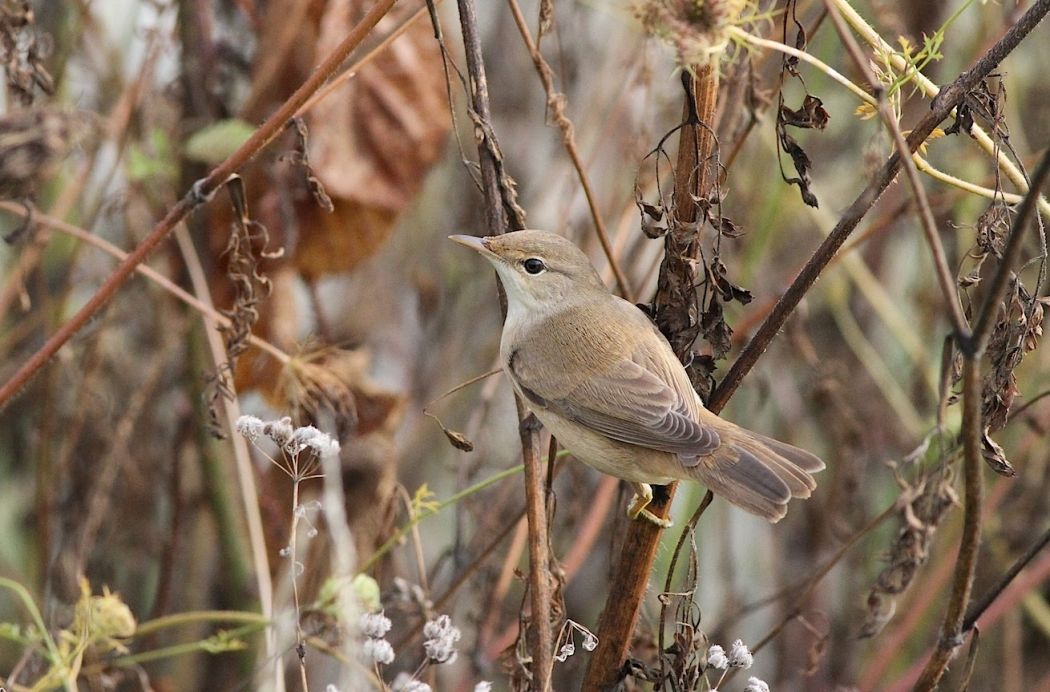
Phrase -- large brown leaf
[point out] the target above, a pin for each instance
(372, 142)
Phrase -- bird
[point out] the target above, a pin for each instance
(601, 377)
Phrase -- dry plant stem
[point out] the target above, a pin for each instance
(942, 105)
(631, 576)
(540, 592)
(966, 562)
(293, 570)
(978, 608)
(952, 631)
(201, 192)
(495, 217)
(929, 226)
(990, 308)
(688, 530)
(242, 458)
(152, 274)
(344, 556)
(870, 36)
(542, 640)
(556, 106)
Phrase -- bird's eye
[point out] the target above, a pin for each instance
(534, 265)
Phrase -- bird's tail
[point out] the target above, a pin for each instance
(759, 474)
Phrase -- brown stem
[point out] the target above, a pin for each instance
(966, 562)
(631, 576)
(556, 104)
(201, 192)
(953, 631)
(978, 609)
(499, 206)
(942, 106)
(929, 226)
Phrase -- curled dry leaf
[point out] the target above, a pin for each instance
(811, 115)
(922, 508)
(456, 439)
(371, 142)
(995, 457)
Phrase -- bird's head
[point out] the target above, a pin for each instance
(541, 271)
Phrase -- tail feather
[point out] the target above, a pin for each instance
(759, 474)
(808, 462)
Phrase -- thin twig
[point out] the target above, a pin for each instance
(687, 531)
(213, 315)
(946, 100)
(929, 226)
(977, 609)
(556, 105)
(241, 455)
(201, 191)
(953, 631)
(969, 542)
(502, 214)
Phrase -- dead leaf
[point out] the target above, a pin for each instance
(995, 457)
(812, 114)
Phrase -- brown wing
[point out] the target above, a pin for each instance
(631, 393)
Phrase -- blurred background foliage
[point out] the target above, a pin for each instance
(115, 461)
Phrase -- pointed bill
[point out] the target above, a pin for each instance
(476, 243)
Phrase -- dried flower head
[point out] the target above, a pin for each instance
(716, 658)
(696, 29)
(756, 685)
(407, 683)
(375, 625)
(378, 650)
(740, 656)
(440, 640)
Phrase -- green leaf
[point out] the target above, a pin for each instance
(214, 143)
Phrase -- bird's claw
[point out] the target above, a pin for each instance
(639, 507)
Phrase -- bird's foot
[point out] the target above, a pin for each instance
(638, 508)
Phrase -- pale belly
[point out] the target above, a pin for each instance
(629, 462)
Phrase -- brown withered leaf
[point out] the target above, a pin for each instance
(800, 160)
(729, 290)
(372, 142)
(651, 214)
(811, 115)
(455, 438)
(995, 457)
(963, 120)
(728, 229)
(715, 329)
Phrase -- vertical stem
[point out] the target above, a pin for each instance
(693, 177)
(541, 641)
(495, 219)
(300, 639)
(966, 562)
(952, 631)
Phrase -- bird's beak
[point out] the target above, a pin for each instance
(478, 244)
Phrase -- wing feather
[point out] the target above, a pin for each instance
(620, 389)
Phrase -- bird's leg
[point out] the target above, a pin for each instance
(638, 508)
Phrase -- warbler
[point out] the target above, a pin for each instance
(600, 376)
